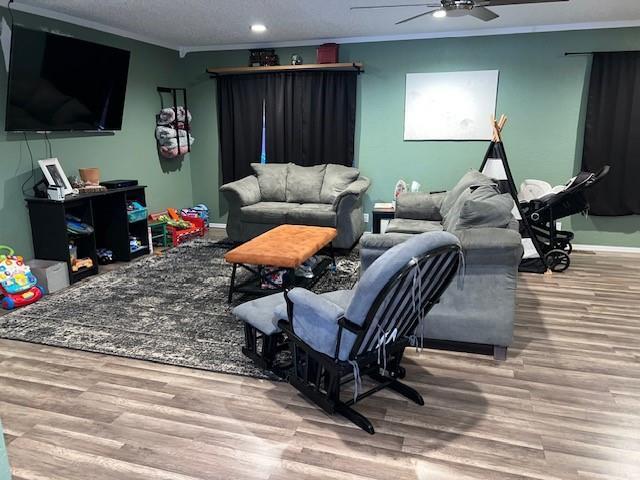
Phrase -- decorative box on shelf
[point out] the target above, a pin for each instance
(327, 53)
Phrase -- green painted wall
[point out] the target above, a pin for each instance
(540, 90)
(130, 153)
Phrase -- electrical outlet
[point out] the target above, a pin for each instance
(366, 218)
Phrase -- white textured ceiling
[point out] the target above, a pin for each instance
(194, 24)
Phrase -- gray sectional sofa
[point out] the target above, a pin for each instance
(323, 195)
(480, 309)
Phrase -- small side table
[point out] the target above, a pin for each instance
(380, 214)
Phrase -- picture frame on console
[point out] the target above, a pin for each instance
(54, 174)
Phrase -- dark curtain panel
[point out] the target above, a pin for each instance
(612, 134)
(240, 101)
(311, 117)
(284, 118)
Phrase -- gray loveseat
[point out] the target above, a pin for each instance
(323, 195)
(480, 309)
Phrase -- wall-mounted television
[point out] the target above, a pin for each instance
(59, 83)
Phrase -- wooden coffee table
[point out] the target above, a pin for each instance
(285, 247)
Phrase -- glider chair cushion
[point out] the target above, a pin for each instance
(315, 318)
(263, 313)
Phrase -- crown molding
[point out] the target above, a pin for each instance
(63, 17)
(184, 50)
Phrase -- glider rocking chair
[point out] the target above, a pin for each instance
(339, 337)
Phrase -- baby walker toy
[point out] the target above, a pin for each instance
(18, 286)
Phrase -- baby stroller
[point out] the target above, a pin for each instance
(542, 213)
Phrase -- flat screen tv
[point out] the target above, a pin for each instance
(59, 83)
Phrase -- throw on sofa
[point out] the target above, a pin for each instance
(480, 309)
(323, 195)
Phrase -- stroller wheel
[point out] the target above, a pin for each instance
(567, 247)
(557, 260)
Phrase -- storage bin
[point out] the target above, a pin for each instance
(52, 275)
(137, 215)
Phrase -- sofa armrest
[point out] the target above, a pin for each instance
(419, 206)
(491, 246)
(356, 189)
(243, 192)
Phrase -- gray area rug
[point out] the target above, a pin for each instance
(170, 309)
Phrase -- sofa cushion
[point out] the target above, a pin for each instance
(304, 183)
(267, 212)
(488, 212)
(336, 179)
(472, 193)
(318, 214)
(272, 178)
(405, 225)
(470, 179)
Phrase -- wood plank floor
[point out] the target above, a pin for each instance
(565, 405)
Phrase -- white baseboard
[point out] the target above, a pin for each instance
(606, 248)
(217, 225)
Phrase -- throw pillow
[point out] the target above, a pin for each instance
(272, 179)
(336, 179)
(482, 192)
(494, 211)
(304, 183)
(470, 179)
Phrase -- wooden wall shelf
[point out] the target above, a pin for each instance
(354, 66)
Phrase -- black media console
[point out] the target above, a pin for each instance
(106, 212)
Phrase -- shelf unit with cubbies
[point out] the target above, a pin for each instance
(106, 212)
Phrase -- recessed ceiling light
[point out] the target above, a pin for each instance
(440, 13)
(258, 28)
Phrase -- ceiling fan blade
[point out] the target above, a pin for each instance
(416, 16)
(483, 14)
(368, 7)
(498, 3)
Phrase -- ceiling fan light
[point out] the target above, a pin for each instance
(258, 28)
(440, 13)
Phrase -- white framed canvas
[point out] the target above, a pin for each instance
(54, 174)
(450, 106)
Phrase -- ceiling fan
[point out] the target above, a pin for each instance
(459, 8)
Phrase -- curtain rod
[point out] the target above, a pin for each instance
(569, 54)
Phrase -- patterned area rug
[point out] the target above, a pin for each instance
(170, 309)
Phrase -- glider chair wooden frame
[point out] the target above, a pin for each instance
(372, 347)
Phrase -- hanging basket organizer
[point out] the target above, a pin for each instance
(177, 124)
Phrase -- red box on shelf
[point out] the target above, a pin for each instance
(327, 53)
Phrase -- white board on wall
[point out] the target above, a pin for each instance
(450, 106)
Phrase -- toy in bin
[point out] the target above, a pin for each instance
(135, 244)
(18, 286)
(199, 211)
(136, 212)
(76, 226)
(182, 228)
(105, 256)
(81, 263)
